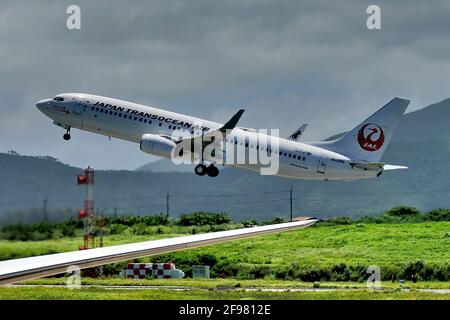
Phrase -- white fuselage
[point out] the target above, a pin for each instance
(130, 121)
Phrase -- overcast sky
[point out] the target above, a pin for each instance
(286, 62)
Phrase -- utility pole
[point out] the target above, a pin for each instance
(167, 203)
(290, 203)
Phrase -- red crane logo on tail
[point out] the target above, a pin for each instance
(371, 137)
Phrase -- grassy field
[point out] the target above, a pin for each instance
(378, 244)
(389, 246)
(366, 244)
(163, 294)
(218, 284)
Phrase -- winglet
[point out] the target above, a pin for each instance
(295, 136)
(231, 124)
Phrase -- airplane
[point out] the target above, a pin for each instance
(355, 155)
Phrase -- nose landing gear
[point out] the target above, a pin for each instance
(66, 135)
(211, 170)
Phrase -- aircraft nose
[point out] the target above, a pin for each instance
(42, 104)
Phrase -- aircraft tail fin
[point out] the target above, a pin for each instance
(368, 140)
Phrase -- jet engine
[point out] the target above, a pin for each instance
(157, 145)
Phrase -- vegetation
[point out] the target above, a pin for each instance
(201, 221)
(130, 225)
(340, 249)
(152, 220)
(331, 253)
(201, 294)
(395, 215)
(203, 218)
(38, 231)
(229, 283)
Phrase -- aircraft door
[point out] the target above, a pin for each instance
(322, 164)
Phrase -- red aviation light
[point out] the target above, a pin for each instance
(81, 179)
(82, 213)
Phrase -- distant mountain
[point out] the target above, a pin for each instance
(422, 142)
(165, 165)
(430, 123)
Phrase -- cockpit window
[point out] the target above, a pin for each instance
(58, 99)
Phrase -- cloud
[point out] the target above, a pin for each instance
(287, 62)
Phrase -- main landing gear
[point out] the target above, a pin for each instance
(66, 135)
(210, 170)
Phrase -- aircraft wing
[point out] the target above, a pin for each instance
(228, 126)
(41, 266)
(205, 139)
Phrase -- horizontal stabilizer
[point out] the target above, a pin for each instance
(375, 166)
(368, 165)
(393, 167)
